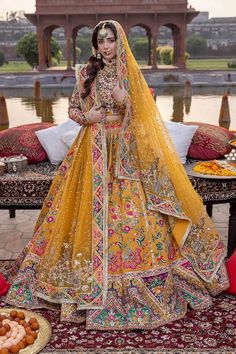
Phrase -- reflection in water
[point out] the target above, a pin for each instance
(224, 117)
(178, 109)
(43, 107)
(28, 102)
(4, 126)
(204, 106)
(38, 108)
(47, 113)
(187, 104)
(4, 118)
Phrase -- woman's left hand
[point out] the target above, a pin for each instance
(119, 92)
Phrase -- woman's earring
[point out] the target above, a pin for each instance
(98, 55)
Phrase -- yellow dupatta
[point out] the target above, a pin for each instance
(146, 152)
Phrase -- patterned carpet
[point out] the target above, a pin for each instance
(212, 331)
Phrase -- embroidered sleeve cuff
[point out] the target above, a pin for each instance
(77, 115)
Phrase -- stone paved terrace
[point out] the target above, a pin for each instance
(16, 232)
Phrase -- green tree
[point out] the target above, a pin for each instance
(196, 45)
(27, 47)
(56, 50)
(2, 58)
(158, 49)
(78, 53)
(140, 48)
(84, 43)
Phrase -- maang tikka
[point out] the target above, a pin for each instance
(103, 32)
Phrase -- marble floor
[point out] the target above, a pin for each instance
(16, 232)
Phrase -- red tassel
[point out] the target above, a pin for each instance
(152, 90)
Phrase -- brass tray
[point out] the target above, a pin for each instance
(44, 333)
(189, 170)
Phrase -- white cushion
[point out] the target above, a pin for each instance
(50, 139)
(181, 136)
(69, 137)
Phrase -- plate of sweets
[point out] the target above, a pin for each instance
(23, 331)
(232, 142)
(213, 169)
(231, 156)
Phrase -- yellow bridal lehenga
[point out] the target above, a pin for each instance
(122, 241)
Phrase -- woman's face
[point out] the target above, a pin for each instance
(107, 44)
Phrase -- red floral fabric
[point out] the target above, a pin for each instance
(209, 142)
(22, 140)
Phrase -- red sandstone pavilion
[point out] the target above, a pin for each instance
(72, 15)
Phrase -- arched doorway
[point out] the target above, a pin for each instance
(81, 43)
(174, 36)
(139, 37)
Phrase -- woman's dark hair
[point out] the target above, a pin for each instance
(94, 64)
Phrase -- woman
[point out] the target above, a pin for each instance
(122, 241)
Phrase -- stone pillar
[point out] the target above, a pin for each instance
(41, 50)
(47, 49)
(175, 39)
(181, 48)
(125, 25)
(49, 55)
(74, 48)
(68, 47)
(149, 36)
(154, 50)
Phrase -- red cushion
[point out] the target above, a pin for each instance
(231, 268)
(209, 142)
(22, 140)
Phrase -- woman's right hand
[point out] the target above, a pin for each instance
(95, 115)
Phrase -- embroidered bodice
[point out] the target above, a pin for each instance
(107, 79)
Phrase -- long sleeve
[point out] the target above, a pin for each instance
(74, 109)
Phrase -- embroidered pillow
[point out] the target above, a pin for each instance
(209, 142)
(22, 140)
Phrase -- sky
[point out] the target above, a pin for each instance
(217, 8)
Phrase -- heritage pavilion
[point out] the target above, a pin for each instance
(72, 15)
